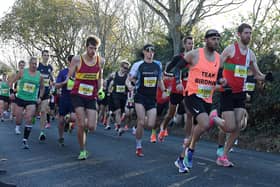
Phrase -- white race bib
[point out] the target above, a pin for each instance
(30, 88)
(204, 91)
(120, 88)
(249, 86)
(85, 89)
(240, 71)
(150, 82)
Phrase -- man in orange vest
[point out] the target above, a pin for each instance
(204, 64)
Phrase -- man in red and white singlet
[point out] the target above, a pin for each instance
(88, 70)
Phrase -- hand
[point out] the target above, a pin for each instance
(223, 82)
(180, 87)
(269, 77)
(101, 94)
(39, 100)
(165, 93)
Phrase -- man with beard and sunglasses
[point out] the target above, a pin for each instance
(119, 93)
(204, 64)
(237, 59)
(147, 76)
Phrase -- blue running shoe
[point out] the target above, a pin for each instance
(188, 159)
(181, 166)
(220, 151)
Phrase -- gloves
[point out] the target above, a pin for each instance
(269, 77)
(101, 94)
(70, 84)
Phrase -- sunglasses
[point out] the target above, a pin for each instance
(150, 49)
(125, 67)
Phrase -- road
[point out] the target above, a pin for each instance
(112, 162)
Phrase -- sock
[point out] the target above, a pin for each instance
(220, 146)
(27, 130)
(48, 118)
(17, 126)
(154, 131)
(138, 144)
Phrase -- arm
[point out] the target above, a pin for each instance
(15, 78)
(130, 82)
(42, 87)
(255, 69)
(100, 79)
(59, 83)
(72, 67)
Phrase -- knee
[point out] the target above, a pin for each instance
(141, 122)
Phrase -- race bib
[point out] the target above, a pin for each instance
(5, 91)
(46, 82)
(30, 88)
(120, 88)
(150, 82)
(85, 89)
(249, 86)
(204, 91)
(240, 71)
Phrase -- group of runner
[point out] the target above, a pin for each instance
(158, 97)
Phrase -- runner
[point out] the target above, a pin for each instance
(21, 65)
(147, 74)
(162, 105)
(46, 71)
(204, 64)
(4, 97)
(29, 83)
(65, 105)
(237, 58)
(119, 93)
(176, 96)
(88, 69)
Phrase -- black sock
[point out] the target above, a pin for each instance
(219, 146)
(48, 118)
(27, 130)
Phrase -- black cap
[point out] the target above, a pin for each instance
(148, 47)
(212, 32)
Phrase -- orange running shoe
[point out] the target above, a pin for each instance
(153, 138)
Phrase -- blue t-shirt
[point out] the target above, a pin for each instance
(147, 75)
(62, 75)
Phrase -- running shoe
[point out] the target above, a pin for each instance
(133, 130)
(212, 116)
(161, 136)
(139, 152)
(220, 151)
(61, 142)
(188, 161)
(47, 126)
(42, 136)
(153, 138)
(165, 133)
(223, 161)
(83, 155)
(24, 144)
(126, 127)
(181, 166)
(120, 131)
(17, 131)
(107, 127)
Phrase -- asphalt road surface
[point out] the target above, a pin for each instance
(112, 162)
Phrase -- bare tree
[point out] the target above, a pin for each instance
(177, 14)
